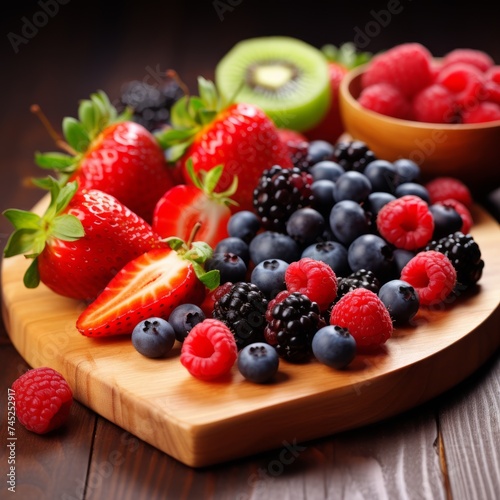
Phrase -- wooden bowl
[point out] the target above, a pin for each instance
(469, 152)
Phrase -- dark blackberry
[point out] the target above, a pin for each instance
(299, 155)
(465, 255)
(279, 193)
(243, 310)
(150, 104)
(353, 155)
(292, 324)
(359, 279)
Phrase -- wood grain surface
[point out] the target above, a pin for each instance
(202, 423)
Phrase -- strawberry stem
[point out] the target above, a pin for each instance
(171, 73)
(193, 234)
(60, 142)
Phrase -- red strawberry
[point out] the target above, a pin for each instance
(84, 238)
(340, 61)
(239, 136)
(118, 157)
(153, 284)
(183, 206)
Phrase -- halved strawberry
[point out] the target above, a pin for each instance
(239, 136)
(183, 206)
(82, 240)
(153, 284)
(110, 153)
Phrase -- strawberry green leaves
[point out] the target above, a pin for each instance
(31, 231)
(346, 55)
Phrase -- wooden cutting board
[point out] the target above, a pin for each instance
(202, 423)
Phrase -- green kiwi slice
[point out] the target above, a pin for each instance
(284, 76)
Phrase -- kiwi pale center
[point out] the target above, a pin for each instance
(271, 76)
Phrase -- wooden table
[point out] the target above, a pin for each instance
(447, 448)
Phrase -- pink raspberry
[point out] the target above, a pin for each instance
(406, 66)
(464, 81)
(209, 350)
(462, 210)
(365, 316)
(385, 99)
(492, 84)
(43, 400)
(434, 104)
(432, 275)
(314, 279)
(477, 58)
(442, 188)
(482, 112)
(406, 222)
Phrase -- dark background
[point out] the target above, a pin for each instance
(90, 45)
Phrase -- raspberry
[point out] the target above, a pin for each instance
(434, 104)
(406, 66)
(464, 81)
(385, 99)
(476, 58)
(442, 188)
(492, 84)
(209, 350)
(313, 278)
(406, 222)
(462, 210)
(482, 112)
(432, 275)
(365, 316)
(43, 400)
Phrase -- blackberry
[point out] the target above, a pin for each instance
(150, 104)
(299, 155)
(292, 324)
(279, 193)
(353, 155)
(243, 310)
(359, 279)
(465, 255)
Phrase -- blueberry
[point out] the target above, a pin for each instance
(376, 201)
(235, 245)
(269, 276)
(258, 362)
(305, 226)
(274, 245)
(323, 198)
(401, 258)
(230, 266)
(244, 225)
(407, 170)
(382, 175)
(318, 151)
(412, 188)
(326, 170)
(401, 300)
(373, 253)
(334, 346)
(348, 220)
(332, 253)
(446, 220)
(153, 337)
(352, 186)
(183, 318)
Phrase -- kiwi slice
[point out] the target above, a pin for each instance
(284, 76)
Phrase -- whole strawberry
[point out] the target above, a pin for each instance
(109, 153)
(340, 61)
(82, 240)
(153, 284)
(241, 137)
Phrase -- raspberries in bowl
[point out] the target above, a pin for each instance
(442, 113)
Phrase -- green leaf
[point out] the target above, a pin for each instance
(211, 279)
(206, 116)
(20, 242)
(22, 218)
(176, 152)
(170, 137)
(211, 178)
(31, 277)
(67, 227)
(87, 116)
(199, 252)
(175, 243)
(208, 93)
(64, 195)
(75, 134)
(180, 117)
(54, 160)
